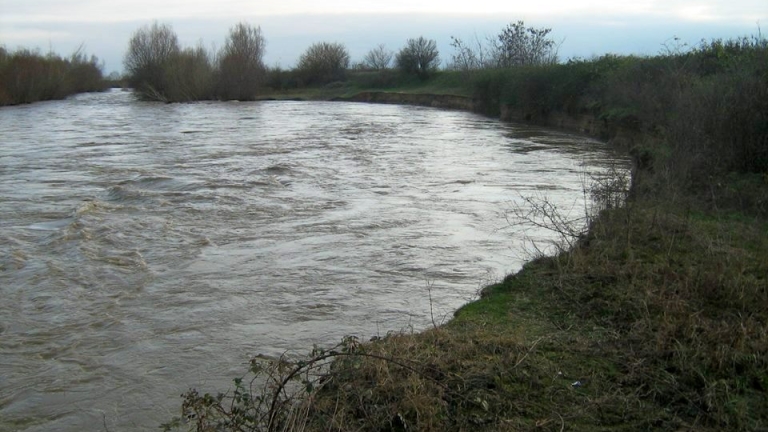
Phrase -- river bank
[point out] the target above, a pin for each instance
(652, 320)
(656, 318)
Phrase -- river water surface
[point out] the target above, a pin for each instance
(149, 248)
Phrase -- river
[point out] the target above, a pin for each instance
(148, 248)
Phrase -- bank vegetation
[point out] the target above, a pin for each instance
(28, 76)
(653, 316)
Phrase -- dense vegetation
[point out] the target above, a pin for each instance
(28, 76)
(655, 317)
(160, 69)
(706, 105)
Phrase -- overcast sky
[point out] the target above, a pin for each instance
(585, 27)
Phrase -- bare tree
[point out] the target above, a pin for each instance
(378, 58)
(241, 64)
(470, 56)
(149, 50)
(419, 57)
(324, 62)
(517, 45)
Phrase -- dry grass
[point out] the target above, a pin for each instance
(660, 319)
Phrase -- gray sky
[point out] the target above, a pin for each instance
(586, 27)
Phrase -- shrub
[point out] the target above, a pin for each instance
(27, 76)
(517, 45)
(418, 57)
(84, 73)
(190, 76)
(378, 58)
(323, 62)
(150, 50)
(242, 69)
(278, 78)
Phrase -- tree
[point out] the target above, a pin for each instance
(517, 45)
(149, 51)
(323, 62)
(190, 75)
(84, 72)
(378, 58)
(418, 57)
(470, 56)
(241, 65)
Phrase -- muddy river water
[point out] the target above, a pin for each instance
(149, 248)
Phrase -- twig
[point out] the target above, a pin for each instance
(431, 312)
(528, 352)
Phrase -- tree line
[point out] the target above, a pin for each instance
(160, 69)
(28, 76)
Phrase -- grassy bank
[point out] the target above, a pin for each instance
(655, 319)
(285, 87)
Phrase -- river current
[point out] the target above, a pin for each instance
(149, 248)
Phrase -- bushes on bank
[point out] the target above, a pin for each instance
(418, 57)
(151, 60)
(241, 68)
(27, 76)
(706, 109)
(378, 58)
(159, 69)
(189, 75)
(323, 63)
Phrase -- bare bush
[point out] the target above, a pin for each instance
(378, 58)
(28, 76)
(517, 45)
(241, 65)
(470, 55)
(84, 73)
(568, 224)
(324, 62)
(150, 49)
(418, 57)
(190, 75)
